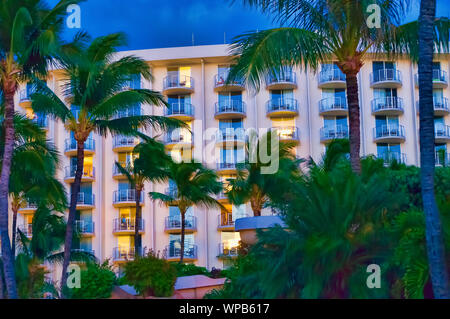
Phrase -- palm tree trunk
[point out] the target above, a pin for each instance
(14, 230)
(354, 121)
(138, 219)
(8, 258)
(183, 228)
(435, 246)
(72, 215)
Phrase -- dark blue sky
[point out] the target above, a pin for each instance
(168, 23)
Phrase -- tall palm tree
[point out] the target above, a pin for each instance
(195, 185)
(95, 84)
(317, 32)
(149, 166)
(251, 185)
(30, 33)
(435, 244)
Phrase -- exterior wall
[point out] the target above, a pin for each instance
(204, 61)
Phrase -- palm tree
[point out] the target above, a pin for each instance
(33, 171)
(317, 32)
(149, 166)
(194, 185)
(30, 35)
(252, 185)
(96, 88)
(435, 245)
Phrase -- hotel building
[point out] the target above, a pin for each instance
(309, 108)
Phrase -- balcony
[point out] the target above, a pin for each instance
(85, 201)
(27, 230)
(178, 84)
(88, 174)
(117, 174)
(333, 106)
(281, 81)
(25, 98)
(442, 133)
(173, 224)
(129, 112)
(41, 121)
(181, 111)
(124, 254)
(440, 79)
(386, 78)
(85, 228)
(125, 143)
(232, 109)
(442, 159)
(83, 251)
(221, 84)
(126, 198)
(70, 147)
(284, 107)
(387, 106)
(127, 226)
(287, 134)
(332, 79)
(182, 139)
(28, 208)
(226, 168)
(327, 134)
(230, 137)
(221, 197)
(391, 157)
(389, 134)
(174, 253)
(225, 251)
(226, 222)
(440, 106)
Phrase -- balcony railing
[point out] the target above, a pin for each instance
(28, 206)
(124, 253)
(178, 137)
(387, 103)
(287, 133)
(333, 132)
(230, 135)
(231, 106)
(222, 80)
(437, 76)
(125, 141)
(127, 224)
(126, 195)
(180, 109)
(442, 131)
(386, 131)
(178, 81)
(442, 158)
(385, 75)
(190, 251)
(226, 166)
(331, 75)
(174, 222)
(390, 157)
(26, 229)
(41, 121)
(129, 112)
(286, 76)
(85, 227)
(70, 144)
(227, 251)
(332, 104)
(86, 199)
(282, 104)
(88, 172)
(116, 170)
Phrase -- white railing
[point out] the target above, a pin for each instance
(387, 103)
(127, 224)
(282, 104)
(388, 130)
(331, 75)
(334, 132)
(174, 222)
(386, 75)
(178, 81)
(126, 195)
(333, 103)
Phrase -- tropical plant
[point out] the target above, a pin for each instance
(194, 185)
(97, 281)
(151, 275)
(95, 86)
(435, 245)
(30, 36)
(149, 165)
(252, 184)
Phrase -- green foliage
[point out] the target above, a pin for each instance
(97, 282)
(190, 270)
(151, 275)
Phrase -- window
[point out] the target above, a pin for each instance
(232, 155)
(383, 121)
(332, 122)
(179, 76)
(382, 65)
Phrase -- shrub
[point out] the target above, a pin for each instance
(151, 275)
(97, 281)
